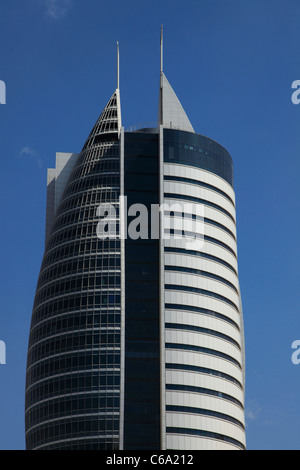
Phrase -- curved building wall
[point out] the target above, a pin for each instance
(203, 328)
(73, 365)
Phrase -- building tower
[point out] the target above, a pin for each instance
(136, 338)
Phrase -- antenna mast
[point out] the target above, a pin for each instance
(118, 66)
(161, 47)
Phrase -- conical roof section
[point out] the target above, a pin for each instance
(171, 113)
(109, 121)
(94, 160)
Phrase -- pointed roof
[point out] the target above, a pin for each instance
(109, 121)
(171, 113)
(110, 118)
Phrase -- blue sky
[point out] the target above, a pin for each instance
(232, 64)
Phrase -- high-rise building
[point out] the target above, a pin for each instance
(136, 339)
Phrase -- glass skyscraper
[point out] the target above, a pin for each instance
(137, 342)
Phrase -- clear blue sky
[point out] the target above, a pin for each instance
(231, 64)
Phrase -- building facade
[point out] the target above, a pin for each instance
(136, 341)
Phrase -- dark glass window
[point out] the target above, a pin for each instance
(142, 365)
(196, 150)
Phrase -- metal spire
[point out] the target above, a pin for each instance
(161, 47)
(118, 66)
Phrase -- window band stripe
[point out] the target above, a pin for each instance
(209, 434)
(212, 352)
(198, 329)
(204, 370)
(212, 313)
(201, 291)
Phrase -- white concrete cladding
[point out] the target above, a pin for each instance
(204, 344)
(170, 111)
(57, 179)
